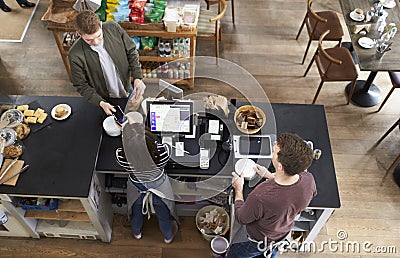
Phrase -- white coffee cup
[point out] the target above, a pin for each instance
(111, 127)
(358, 13)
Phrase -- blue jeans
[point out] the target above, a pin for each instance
(247, 249)
(161, 209)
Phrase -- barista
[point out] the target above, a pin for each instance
(149, 189)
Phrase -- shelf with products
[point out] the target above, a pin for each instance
(177, 72)
(181, 44)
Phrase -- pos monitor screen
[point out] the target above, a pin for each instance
(170, 117)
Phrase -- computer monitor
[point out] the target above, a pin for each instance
(170, 117)
(172, 91)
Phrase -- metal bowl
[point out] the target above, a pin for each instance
(9, 135)
(14, 116)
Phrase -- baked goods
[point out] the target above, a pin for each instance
(22, 131)
(29, 112)
(249, 119)
(61, 111)
(41, 118)
(38, 112)
(30, 120)
(23, 107)
(13, 151)
(33, 116)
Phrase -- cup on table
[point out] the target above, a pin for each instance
(358, 13)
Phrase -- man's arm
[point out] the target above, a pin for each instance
(245, 211)
(79, 80)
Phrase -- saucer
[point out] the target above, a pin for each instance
(366, 42)
(246, 166)
(354, 17)
(389, 4)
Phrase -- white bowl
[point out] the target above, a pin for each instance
(111, 127)
(245, 167)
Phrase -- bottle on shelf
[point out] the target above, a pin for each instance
(161, 48)
(175, 47)
(167, 49)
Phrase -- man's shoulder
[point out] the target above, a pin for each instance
(76, 48)
(110, 24)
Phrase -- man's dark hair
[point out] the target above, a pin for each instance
(294, 153)
(87, 22)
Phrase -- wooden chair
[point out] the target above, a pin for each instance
(209, 25)
(395, 79)
(319, 22)
(211, 2)
(397, 160)
(334, 64)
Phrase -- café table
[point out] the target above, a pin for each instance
(366, 93)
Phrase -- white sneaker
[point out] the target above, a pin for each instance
(174, 231)
(138, 237)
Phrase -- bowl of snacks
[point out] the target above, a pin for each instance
(212, 221)
(249, 119)
(14, 117)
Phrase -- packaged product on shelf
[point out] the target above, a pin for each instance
(137, 11)
(136, 40)
(147, 43)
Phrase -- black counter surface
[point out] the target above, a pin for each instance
(61, 154)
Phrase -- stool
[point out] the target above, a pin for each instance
(395, 79)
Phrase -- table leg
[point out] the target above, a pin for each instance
(366, 94)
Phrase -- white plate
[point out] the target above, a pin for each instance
(389, 4)
(355, 18)
(366, 42)
(66, 106)
(245, 166)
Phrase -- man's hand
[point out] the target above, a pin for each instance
(237, 181)
(107, 107)
(138, 88)
(237, 184)
(263, 172)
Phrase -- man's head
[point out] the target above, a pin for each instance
(291, 154)
(88, 25)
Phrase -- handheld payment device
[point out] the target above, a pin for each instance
(119, 115)
(204, 158)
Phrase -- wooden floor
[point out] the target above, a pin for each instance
(262, 42)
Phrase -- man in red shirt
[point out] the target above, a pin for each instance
(269, 210)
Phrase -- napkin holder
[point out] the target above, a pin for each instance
(358, 28)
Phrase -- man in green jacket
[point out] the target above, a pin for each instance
(104, 62)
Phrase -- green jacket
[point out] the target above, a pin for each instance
(87, 74)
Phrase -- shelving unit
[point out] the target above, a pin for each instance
(82, 218)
